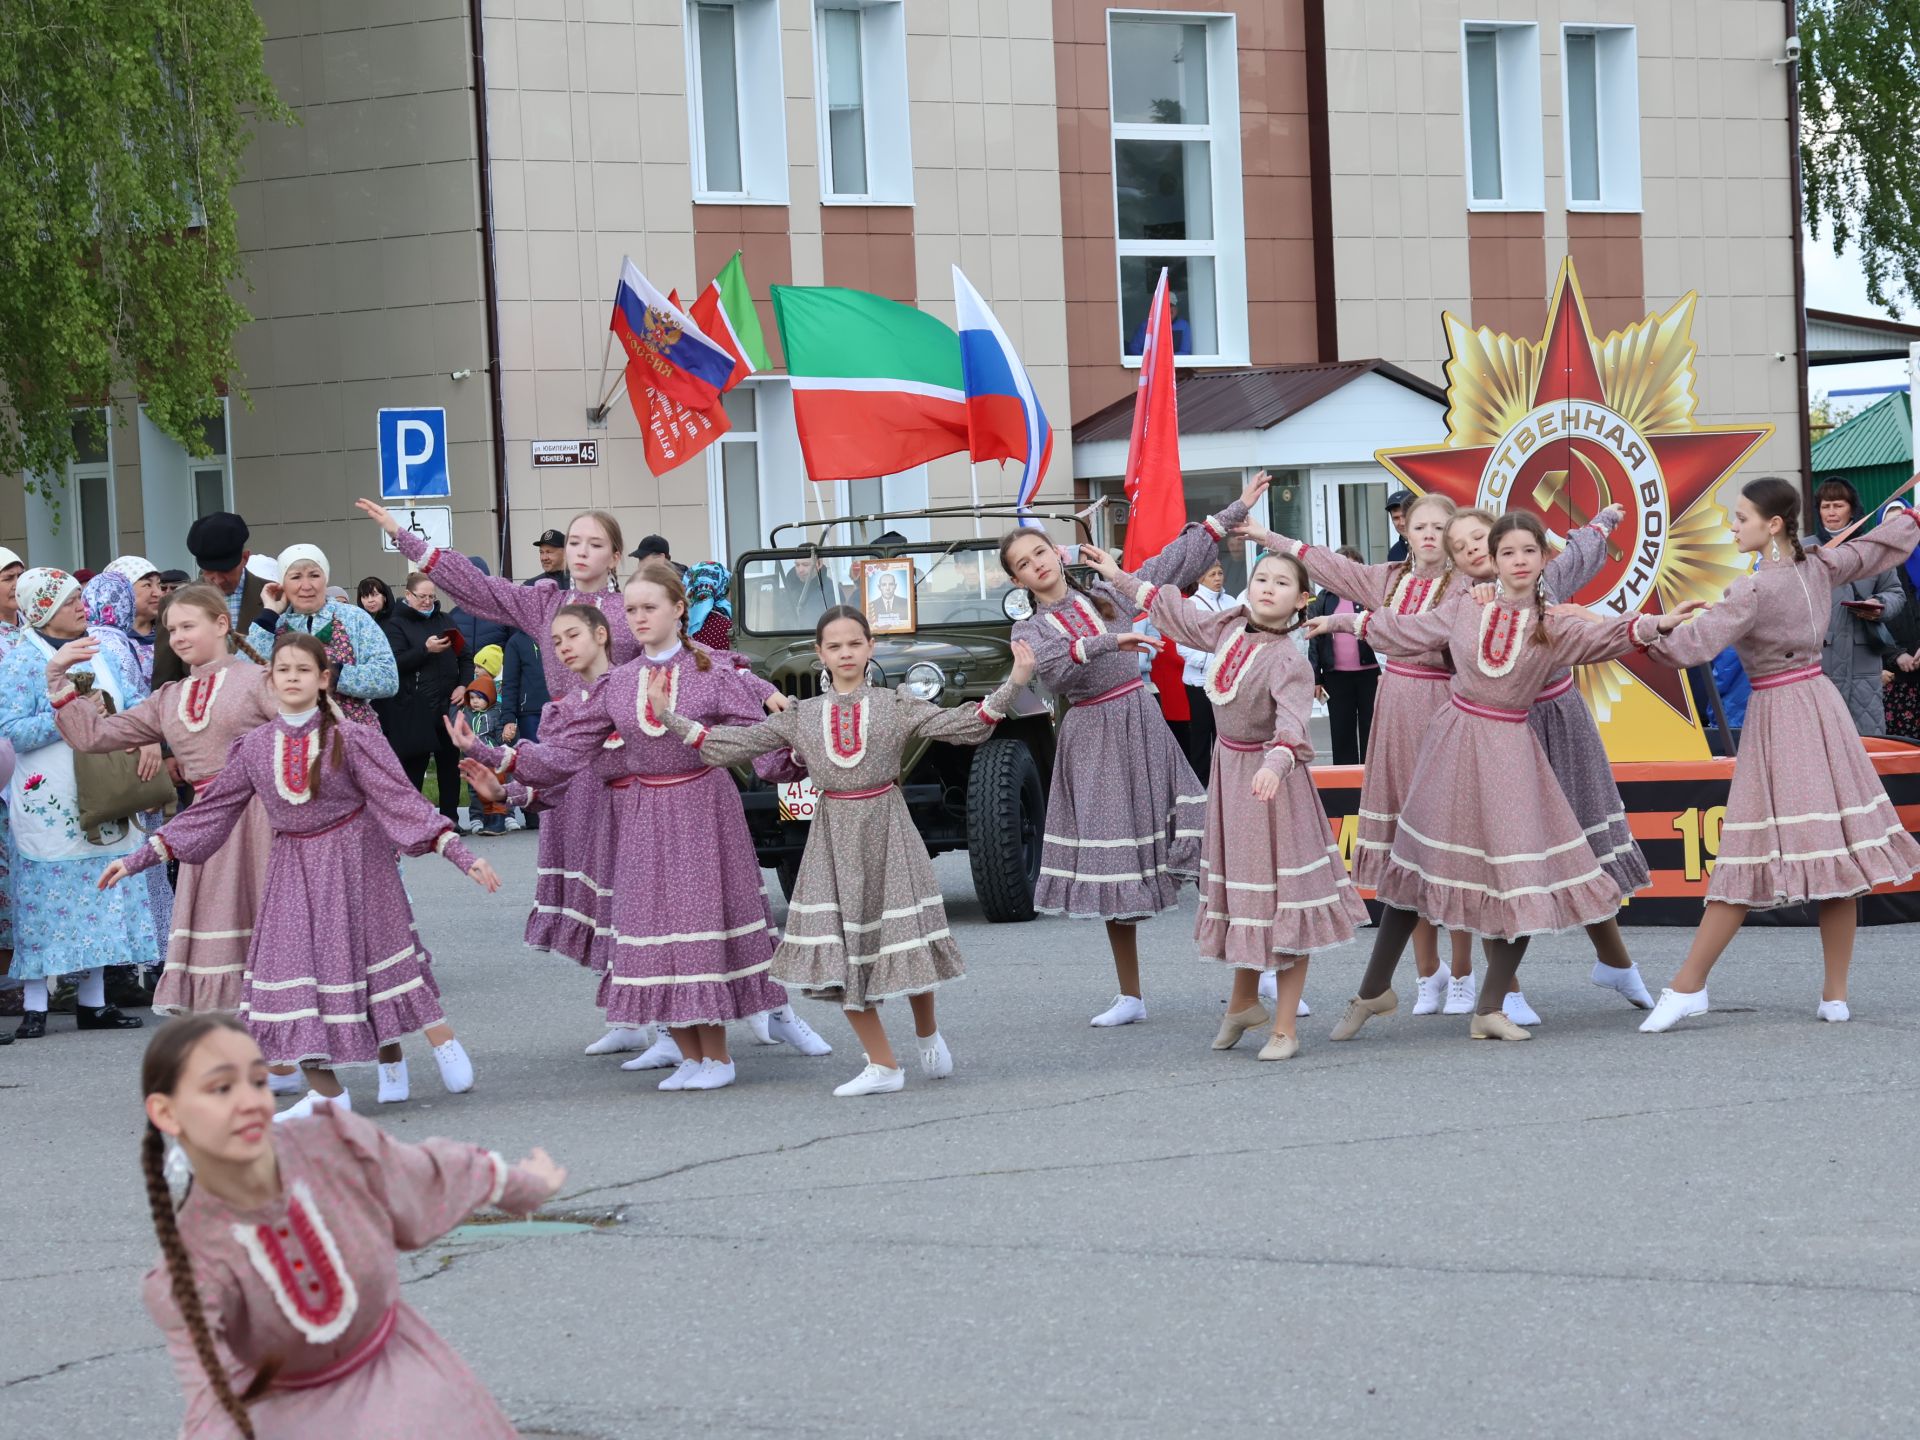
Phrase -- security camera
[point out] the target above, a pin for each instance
(1793, 51)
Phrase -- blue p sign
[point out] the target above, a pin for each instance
(413, 454)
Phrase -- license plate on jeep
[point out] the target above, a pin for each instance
(799, 799)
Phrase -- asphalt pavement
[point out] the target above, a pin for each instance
(1113, 1233)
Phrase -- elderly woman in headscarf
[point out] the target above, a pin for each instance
(12, 632)
(357, 648)
(142, 623)
(709, 611)
(63, 923)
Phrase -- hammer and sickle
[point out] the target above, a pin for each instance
(1552, 484)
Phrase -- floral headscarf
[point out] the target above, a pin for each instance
(110, 621)
(42, 592)
(707, 592)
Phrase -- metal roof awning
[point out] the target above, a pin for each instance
(1837, 339)
(1881, 434)
(1253, 398)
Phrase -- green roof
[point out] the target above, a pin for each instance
(1881, 434)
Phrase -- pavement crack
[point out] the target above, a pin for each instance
(66, 1365)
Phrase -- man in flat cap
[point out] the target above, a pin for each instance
(219, 543)
(552, 546)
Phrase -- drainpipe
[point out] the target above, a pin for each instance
(1799, 264)
(491, 294)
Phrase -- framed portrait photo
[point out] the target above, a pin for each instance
(886, 596)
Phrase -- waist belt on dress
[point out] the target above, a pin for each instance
(1555, 690)
(1785, 677)
(1241, 745)
(346, 819)
(877, 791)
(1490, 712)
(1417, 672)
(353, 1360)
(656, 782)
(1113, 694)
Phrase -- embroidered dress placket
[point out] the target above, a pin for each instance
(649, 725)
(314, 1290)
(1499, 647)
(293, 766)
(1228, 666)
(197, 697)
(845, 731)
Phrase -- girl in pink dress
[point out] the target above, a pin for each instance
(1807, 818)
(278, 1289)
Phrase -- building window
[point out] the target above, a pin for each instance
(1500, 69)
(90, 491)
(860, 55)
(1176, 177)
(1600, 80)
(737, 467)
(737, 101)
(177, 488)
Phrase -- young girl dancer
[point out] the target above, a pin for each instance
(224, 697)
(1125, 813)
(1486, 843)
(1273, 888)
(335, 971)
(692, 932)
(1807, 817)
(278, 1289)
(866, 922)
(1565, 729)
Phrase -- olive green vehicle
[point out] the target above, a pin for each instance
(989, 800)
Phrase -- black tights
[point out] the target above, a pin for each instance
(1396, 928)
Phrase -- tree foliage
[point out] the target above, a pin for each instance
(1859, 116)
(123, 124)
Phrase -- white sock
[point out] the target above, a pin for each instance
(92, 989)
(36, 995)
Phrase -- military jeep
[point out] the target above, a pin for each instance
(990, 800)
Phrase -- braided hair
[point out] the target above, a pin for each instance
(329, 747)
(160, 1071)
(211, 603)
(1404, 568)
(1775, 498)
(1074, 582)
(1522, 521)
(1299, 568)
(660, 572)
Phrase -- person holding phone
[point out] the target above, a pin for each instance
(435, 670)
(1857, 641)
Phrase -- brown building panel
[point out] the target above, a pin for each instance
(1507, 267)
(869, 247)
(1605, 250)
(759, 233)
(1283, 319)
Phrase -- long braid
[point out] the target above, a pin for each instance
(186, 1294)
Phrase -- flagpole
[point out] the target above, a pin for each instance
(973, 483)
(599, 412)
(606, 354)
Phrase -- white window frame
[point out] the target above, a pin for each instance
(1616, 63)
(168, 494)
(761, 91)
(1228, 248)
(1522, 155)
(58, 538)
(883, 89)
(722, 544)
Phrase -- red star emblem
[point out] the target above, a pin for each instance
(1570, 425)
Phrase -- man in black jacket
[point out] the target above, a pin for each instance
(1348, 692)
(219, 543)
(433, 664)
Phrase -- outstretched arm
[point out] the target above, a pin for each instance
(571, 734)
(1569, 572)
(1187, 556)
(1712, 630)
(1881, 548)
(193, 835)
(430, 1187)
(493, 597)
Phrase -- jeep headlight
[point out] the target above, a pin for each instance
(876, 677)
(924, 681)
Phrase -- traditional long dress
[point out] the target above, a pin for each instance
(1807, 817)
(528, 608)
(11, 634)
(1272, 884)
(63, 922)
(336, 968)
(355, 644)
(692, 928)
(1486, 841)
(866, 922)
(1413, 688)
(312, 1280)
(1125, 811)
(199, 718)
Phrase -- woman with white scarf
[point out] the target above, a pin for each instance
(62, 924)
(357, 648)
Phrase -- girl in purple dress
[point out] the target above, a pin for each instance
(277, 1288)
(336, 974)
(1125, 812)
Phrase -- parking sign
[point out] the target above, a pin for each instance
(413, 454)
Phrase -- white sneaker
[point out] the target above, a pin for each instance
(1628, 982)
(456, 1070)
(1518, 1011)
(1835, 1011)
(788, 1028)
(1429, 991)
(1270, 985)
(1673, 1007)
(936, 1061)
(393, 1083)
(621, 1038)
(662, 1053)
(682, 1074)
(292, 1084)
(1302, 1009)
(305, 1105)
(874, 1080)
(1463, 993)
(762, 1034)
(712, 1075)
(1125, 1010)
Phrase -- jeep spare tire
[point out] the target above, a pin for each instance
(1006, 818)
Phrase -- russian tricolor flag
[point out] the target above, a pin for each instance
(665, 349)
(1004, 418)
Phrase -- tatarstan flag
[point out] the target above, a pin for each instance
(724, 312)
(877, 385)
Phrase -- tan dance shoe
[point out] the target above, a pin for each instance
(1237, 1024)
(1497, 1027)
(1360, 1011)
(1280, 1047)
